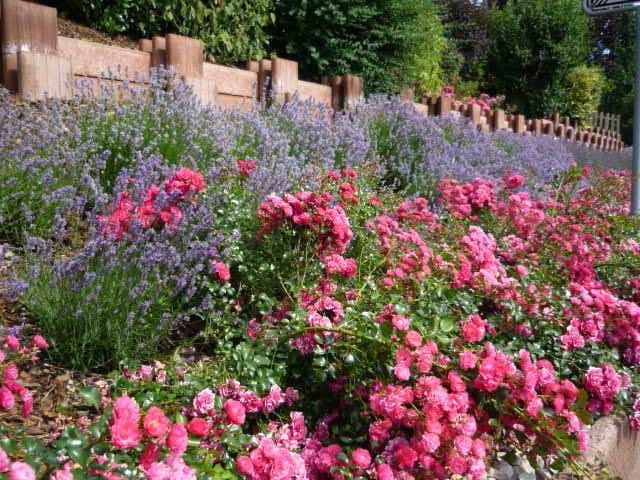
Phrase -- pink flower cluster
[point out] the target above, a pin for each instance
(408, 257)
(10, 387)
(312, 211)
(128, 430)
(155, 208)
(474, 328)
(603, 384)
(479, 266)
(16, 470)
(245, 167)
(464, 200)
(271, 462)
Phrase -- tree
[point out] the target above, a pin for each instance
(534, 45)
(615, 52)
(466, 24)
(391, 43)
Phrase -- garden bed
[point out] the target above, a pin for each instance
(287, 293)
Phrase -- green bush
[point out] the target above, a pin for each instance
(535, 44)
(232, 30)
(583, 92)
(392, 44)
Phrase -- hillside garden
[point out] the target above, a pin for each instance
(292, 293)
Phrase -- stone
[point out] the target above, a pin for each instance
(614, 444)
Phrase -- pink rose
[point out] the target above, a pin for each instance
(222, 271)
(5, 463)
(235, 411)
(244, 465)
(40, 342)
(155, 422)
(177, 439)
(12, 342)
(10, 373)
(198, 427)
(21, 471)
(203, 402)
(125, 434)
(385, 472)
(7, 400)
(361, 458)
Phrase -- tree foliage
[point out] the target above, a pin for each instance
(534, 46)
(615, 52)
(391, 43)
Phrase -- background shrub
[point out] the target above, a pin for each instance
(232, 30)
(583, 92)
(391, 44)
(534, 45)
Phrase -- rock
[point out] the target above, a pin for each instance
(542, 475)
(611, 442)
(502, 471)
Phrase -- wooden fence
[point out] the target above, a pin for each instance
(35, 63)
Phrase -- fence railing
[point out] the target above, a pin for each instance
(35, 63)
(499, 120)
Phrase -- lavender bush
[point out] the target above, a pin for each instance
(64, 164)
(417, 151)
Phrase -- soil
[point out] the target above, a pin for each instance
(68, 28)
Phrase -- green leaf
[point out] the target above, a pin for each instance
(91, 396)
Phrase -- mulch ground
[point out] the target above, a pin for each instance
(68, 28)
(55, 390)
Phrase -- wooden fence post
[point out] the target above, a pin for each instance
(499, 119)
(284, 78)
(145, 45)
(475, 114)
(158, 51)
(520, 125)
(24, 27)
(353, 90)
(184, 56)
(444, 105)
(264, 80)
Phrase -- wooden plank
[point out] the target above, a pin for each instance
(42, 75)
(105, 61)
(93, 85)
(320, 93)
(204, 89)
(234, 101)
(231, 81)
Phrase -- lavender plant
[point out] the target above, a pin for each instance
(120, 297)
(63, 165)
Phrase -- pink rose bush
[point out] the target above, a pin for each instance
(364, 335)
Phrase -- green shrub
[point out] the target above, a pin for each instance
(535, 44)
(391, 44)
(232, 30)
(584, 87)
